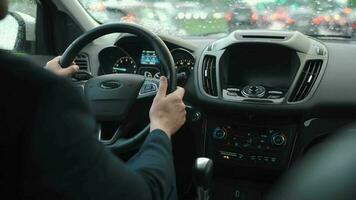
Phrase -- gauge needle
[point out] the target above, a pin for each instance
(120, 69)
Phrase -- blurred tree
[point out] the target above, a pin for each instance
(352, 3)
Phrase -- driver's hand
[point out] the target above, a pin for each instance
(168, 111)
(54, 67)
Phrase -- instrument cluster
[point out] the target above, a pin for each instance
(145, 62)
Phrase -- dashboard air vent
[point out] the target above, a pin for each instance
(209, 75)
(306, 80)
(264, 37)
(82, 60)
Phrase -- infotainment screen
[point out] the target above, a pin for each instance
(149, 58)
(257, 64)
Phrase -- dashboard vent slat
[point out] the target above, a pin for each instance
(209, 75)
(264, 37)
(306, 80)
(82, 60)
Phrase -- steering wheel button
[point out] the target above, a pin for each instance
(148, 88)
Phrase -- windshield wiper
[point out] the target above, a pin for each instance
(330, 36)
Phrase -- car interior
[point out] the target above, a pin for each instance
(258, 100)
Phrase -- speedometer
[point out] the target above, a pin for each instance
(124, 65)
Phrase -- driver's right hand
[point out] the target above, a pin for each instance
(53, 66)
(168, 111)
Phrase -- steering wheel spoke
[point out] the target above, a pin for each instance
(118, 144)
(124, 145)
(80, 85)
(108, 141)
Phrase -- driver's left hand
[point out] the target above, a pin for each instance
(53, 66)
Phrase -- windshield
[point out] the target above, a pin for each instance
(198, 18)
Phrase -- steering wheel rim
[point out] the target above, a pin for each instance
(166, 64)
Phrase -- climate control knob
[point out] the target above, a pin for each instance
(219, 134)
(278, 139)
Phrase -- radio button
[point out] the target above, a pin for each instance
(232, 94)
(273, 159)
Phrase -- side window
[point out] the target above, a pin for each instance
(17, 30)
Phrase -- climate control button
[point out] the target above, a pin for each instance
(219, 133)
(278, 139)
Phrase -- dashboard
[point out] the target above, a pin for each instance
(132, 55)
(256, 100)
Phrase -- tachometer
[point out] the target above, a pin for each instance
(185, 65)
(124, 65)
(184, 61)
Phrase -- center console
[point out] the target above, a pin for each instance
(258, 73)
(253, 86)
(237, 144)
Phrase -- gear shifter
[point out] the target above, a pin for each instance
(203, 173)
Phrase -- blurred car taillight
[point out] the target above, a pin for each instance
(317, 20)
(280, 15)
(347, 11)
(290, 21)
(228, 16)
(97, 7)
(254, 18)
(130, 18)
(327, 18)
(354, 25)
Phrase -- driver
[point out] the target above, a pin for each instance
(48, 148)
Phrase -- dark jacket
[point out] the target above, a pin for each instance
(49, 151)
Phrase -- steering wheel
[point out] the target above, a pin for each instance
(111, 96)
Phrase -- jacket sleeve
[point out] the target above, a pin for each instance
(77, 165)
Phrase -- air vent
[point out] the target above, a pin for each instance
(306, 80)
(209, 75)
(264, 37)
(82, 60)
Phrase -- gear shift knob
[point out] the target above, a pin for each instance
(203, 173)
